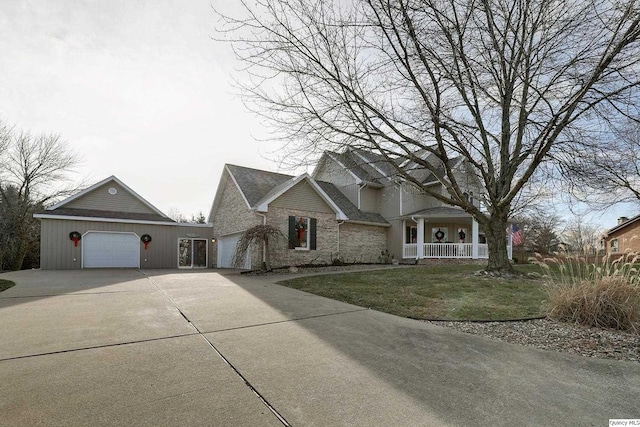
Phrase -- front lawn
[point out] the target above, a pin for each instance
(445, 292)
(5, 284)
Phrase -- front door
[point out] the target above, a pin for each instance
(192, 253)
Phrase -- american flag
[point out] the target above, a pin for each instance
(516, 235)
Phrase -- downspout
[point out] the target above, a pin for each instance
(339, 224)
(264, 247)
(360, 187)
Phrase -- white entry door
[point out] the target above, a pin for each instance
(110, 250)
(227, 248)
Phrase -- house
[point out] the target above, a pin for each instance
(422, 227)
(354, 206)
(110, 225)
(320, 223)
(623, 238)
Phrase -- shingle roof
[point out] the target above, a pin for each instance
(439, 211)
(255, 184)
(355, 165)
(94, 213)
(352, 212)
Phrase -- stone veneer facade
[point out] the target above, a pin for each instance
(232, 216)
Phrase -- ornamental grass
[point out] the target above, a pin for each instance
(604, 293)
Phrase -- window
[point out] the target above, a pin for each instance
(614, 245)
(302, 233)
(411, 235)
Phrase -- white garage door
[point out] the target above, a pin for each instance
(110, 250)
(226, 249)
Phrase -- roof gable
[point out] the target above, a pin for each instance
(255, 184)
(108, 195)
(279, 190)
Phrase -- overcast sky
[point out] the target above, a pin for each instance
(139, 90)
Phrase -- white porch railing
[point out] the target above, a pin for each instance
(410, 250)
(445, 250)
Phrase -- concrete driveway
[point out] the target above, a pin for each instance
(123, 347)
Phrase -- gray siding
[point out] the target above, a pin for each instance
(390, 202)
(370, 199)
(414, 200)
(100, 199)
(58, 252)
(302, 197)
(332, 172)
(395, 236)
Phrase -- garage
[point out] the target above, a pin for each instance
(226, 249)
(110, 250)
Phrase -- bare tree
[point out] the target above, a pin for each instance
(540, 232)
(607, 168)
(176, 215)
(501, 83)
(34, 172)
(582, 237)
(265, 237)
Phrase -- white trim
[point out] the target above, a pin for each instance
(263, 205)
(369, 163)
(358, 180)
(226, 167)
(99, 184)
(121, 220)
(348, 221)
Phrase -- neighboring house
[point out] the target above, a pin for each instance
(107, 224)
(624, 237)
(355, 206)
(319, 223)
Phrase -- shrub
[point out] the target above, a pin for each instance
(604, 294)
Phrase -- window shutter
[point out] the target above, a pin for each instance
(312, 234)
(292, 232)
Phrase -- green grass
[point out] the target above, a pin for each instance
(5, 284)
(447, 292)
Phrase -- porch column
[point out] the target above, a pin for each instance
(474, 238)
(420, 240)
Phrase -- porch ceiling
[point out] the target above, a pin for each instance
(440, 214)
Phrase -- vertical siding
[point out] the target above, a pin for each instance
(58, 252)
(395, 238)
(100, 199)
(414, 200)
(302, 197)
(390, 202)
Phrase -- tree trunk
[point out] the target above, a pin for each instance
(20, 254)
(495, 232)
(267, 255)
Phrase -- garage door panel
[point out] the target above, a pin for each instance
(227, 248)
(111, 250)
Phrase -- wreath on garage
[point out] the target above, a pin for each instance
(145, 239)
(75, 237)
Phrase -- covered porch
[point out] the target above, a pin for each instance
(445, 232)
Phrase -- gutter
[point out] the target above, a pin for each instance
(378, 224)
